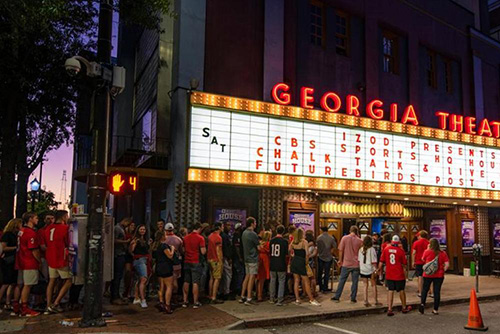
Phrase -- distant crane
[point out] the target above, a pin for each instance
(62, 193)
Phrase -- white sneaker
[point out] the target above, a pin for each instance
(144, 304)
(314, 303)
(136, 301)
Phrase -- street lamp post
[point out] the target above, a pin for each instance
(35, 186)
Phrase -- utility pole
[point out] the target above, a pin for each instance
(97, 179)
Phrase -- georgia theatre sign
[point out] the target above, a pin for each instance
(247, 136)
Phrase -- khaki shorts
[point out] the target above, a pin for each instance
(251, 268)
(27, 277)
(216, 269)
(63, 272)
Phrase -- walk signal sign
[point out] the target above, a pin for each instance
(122, 183)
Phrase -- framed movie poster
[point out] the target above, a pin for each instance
(496, 238)
(73, 245)
(438, 231)
(232, 216)
(305, 220)
(468, 236)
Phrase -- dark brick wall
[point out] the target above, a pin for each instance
(234, 44)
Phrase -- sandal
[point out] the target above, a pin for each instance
(406, 309)
(390, 313)
(367, 304)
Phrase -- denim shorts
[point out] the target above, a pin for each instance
(192, 273)
(140, 267)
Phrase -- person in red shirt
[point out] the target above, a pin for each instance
(56, 252)
(194, 243)
(215, 260)
(417, 251)
(435, 279)
(48, 219)
(394, 259)
(27, 262)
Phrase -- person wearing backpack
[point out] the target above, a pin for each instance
(436, 263)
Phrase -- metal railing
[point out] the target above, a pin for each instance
(126, 151)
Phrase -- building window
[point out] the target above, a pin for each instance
(448, 76)
(317, 23)
(341, 33)
(390, 52)
(430, 69)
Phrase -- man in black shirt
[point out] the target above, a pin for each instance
(227, 273)
(237, 255)
(279, 251)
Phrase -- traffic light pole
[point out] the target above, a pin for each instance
(97, 179)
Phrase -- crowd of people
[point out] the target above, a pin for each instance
(33, 252)
(252, 264)
(215, 263)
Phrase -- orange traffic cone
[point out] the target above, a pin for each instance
(475, 319)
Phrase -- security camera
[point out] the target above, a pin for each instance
(194, 83)
(72, 66)
(118, 81)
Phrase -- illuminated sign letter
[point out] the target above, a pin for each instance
(484, 128)
(280, 95)
(352, 105)
(306, 98)
(409, 116)
(336, 102)
(372, 110)
(470, 125)
(442, 116)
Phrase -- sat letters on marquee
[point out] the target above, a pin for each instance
(235, 141)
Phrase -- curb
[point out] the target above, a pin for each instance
(282, 321)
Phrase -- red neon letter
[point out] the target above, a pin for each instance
(394, 112)
(484, 128)
(409, 116)
(306, 97)
(278, 93)
(457, 123)
(496, 128)
(376, 113)
(442, 115)
(470, 125)
(352, 105)
(336, 102)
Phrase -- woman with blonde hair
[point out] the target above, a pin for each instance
(264, 264)
(9, 273)
(300, 257)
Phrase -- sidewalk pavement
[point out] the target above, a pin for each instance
(231, 314)
(125, 319)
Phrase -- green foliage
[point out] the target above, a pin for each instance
(145, 13)
(44, 202)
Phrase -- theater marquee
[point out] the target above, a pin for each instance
(249, 142)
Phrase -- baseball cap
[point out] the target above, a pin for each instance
(237, 226)
(395, 238)
(169, 227)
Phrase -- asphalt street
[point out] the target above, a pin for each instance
(451, 320)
